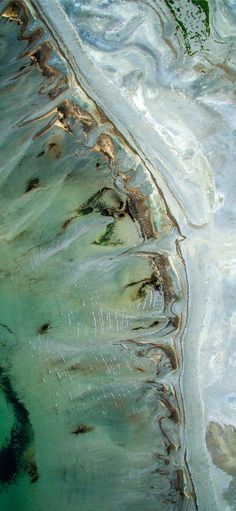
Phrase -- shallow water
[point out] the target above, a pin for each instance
(117, 256)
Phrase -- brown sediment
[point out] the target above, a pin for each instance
(191, 492)
(169, 351)
(162, 264)
(68, 109)
(137, 203)
(46, 128)
(41, 117)
(18, 12)
(173, 411)
(102, 116)
(56, 120)
(118, 211)
(161, 281)
(105, 146)
(170, 447)
(230, 73)
(138, 206)
(41, 55)
(179, 484)
(174, 321)
(139, 210)
(170, 354)
(61, 116)
(60, 87)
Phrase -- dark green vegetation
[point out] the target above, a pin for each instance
(13, 454)
(92, 301)
(195, 28)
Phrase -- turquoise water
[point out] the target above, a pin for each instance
(92, 300)
(117, 255)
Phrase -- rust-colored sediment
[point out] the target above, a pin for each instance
(64, 115)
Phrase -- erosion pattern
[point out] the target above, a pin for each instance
(165, 72)
(95, 314)
(92, 299)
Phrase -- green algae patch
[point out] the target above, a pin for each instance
(87, 398)
(109, 237)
